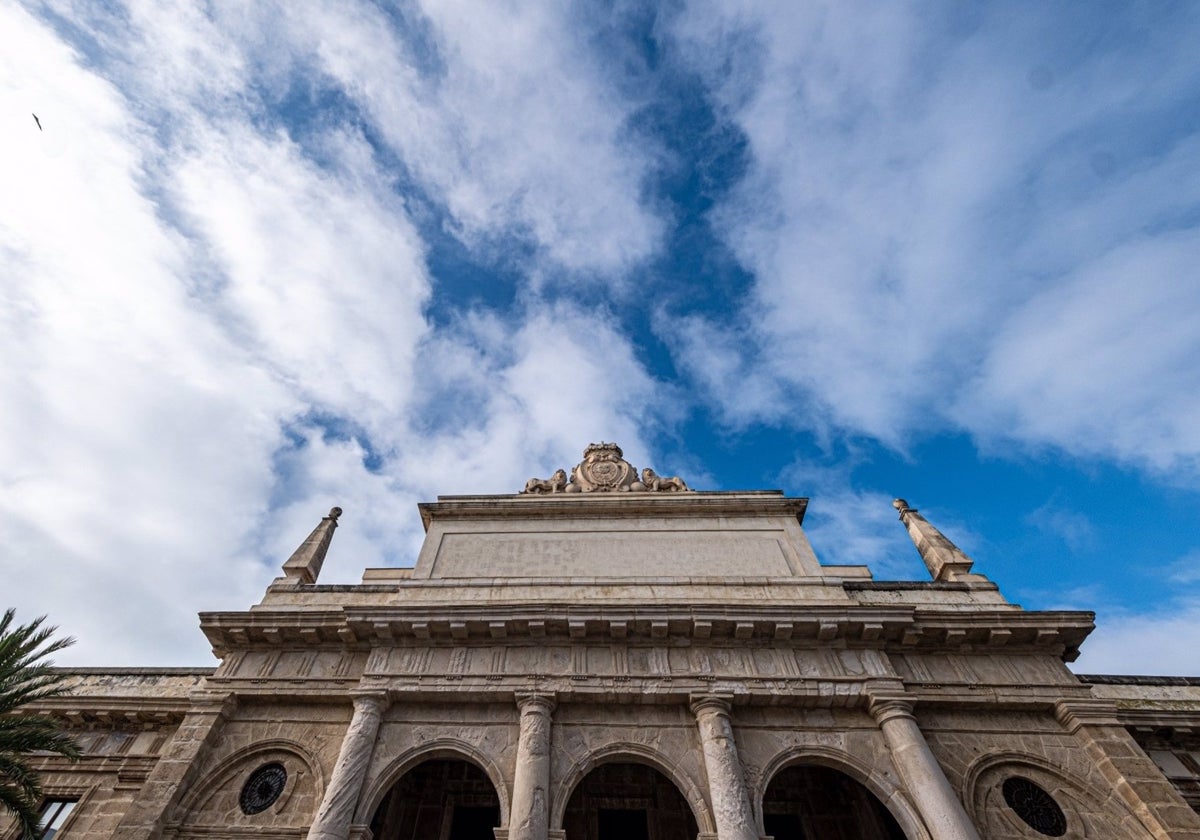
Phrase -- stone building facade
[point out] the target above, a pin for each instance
(612, 655)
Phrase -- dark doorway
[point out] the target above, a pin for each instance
(623, 824)
(806, 802)
(627, 801)
(439, 799)
(784, 826)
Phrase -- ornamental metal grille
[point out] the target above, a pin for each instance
(263, 788)
(1036, 807)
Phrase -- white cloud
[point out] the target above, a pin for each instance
(1104, 362)
(1075, 529)
(212, 330)
(1186, 569)
(499, 111)
(1165, 643)
(945, 233)
(324, 275)
(564, 378)
(209, 339)
(854, 527)
(134, 434)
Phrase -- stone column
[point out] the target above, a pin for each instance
(178, 767)
(529, 817)
(345, 785)
(726, 784)
(920, 772)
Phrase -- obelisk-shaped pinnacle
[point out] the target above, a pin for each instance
(945, 560)
(305, 563)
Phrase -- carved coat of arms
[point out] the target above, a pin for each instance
(605, 470)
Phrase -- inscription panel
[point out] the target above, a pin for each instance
(612, 554)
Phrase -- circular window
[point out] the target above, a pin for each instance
(1036, 807)
(262, 788)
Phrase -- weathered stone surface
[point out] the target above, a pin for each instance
(545, 634)
(336, 812)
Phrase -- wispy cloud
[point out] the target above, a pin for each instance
(951, 226)
(222, 321)
(227, 303)
(855, 527)
(1072, 527)
(1185, 570)
(503, 112)
(1130, 643)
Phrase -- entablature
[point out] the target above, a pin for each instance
(888, 628)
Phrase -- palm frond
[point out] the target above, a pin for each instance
(28, 676)
(23, 807)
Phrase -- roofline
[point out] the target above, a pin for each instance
(1136, 679)
(606, 505)
(168, 671)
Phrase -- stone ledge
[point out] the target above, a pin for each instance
(1123, 679)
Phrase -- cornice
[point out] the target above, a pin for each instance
(892, 628)
(614, 506)
(118, 712)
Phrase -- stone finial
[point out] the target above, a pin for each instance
(945, 560)
(605, 470)
(305, 563)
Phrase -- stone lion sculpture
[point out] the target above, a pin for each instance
(556, 483)
(656, 482)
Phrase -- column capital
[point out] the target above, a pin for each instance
(370, 700)
(885, 707)
(719, 703)
(534, 701)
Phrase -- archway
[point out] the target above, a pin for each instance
(808, 801)
(442, 799)
(627, 801)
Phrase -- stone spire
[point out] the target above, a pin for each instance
(305, 563)
(945, 560)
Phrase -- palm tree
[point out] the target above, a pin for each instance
(26, 676)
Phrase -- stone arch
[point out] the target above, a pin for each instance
(889, 794)
(301, 794)
(453, 749)
(638, 754)
(1091, 811)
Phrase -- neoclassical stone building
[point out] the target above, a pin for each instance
(612, 655)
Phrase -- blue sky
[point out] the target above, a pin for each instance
(265, 258)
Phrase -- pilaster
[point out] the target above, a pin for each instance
(178, 768)
(1133, 777)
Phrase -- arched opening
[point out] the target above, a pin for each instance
(808, 801)
(446, 799)
(627, 801)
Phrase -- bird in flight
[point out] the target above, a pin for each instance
(39, 122)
